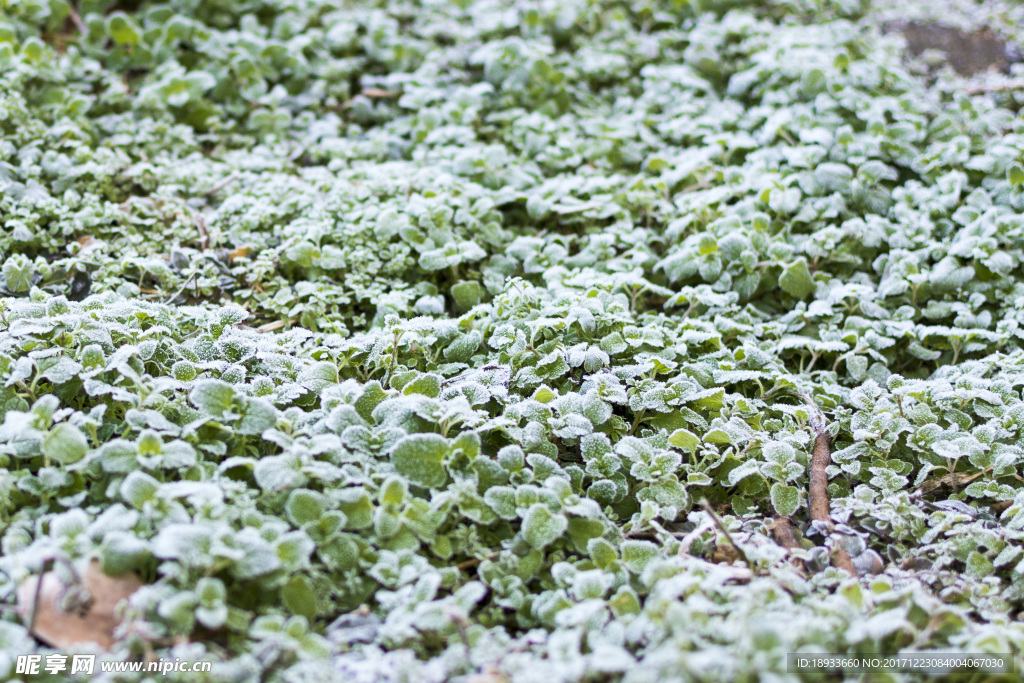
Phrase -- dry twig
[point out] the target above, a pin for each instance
(76, 19)
(276, 325)
(688, 539)
(204, 232)
(818, 503)
(221, 185)
(782, 532)
(725, 532)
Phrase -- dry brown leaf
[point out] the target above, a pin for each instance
(88, 243)
(724, 554)
(488, 677)
(93, 623)
(241, 252)
(953, 480)
(1001, 506)
(276, 325)
(378, 92)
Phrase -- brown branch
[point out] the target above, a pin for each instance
(702, 185)
(841, 560)
(819, 504)
(782, 532)
(821, 457)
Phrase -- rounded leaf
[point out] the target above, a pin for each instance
(420, 459)
(122, 30)
(65, 444)
(541, 527)
(785, 499)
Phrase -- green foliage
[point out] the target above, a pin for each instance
(420, 458)
(364, 334)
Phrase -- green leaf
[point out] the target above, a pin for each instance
(138, 489)
(318, 375)
(785, 499)
(298, 596)
(467, 294)
(122, 552)
(212, 396)
(1015, 175)
(613, 344)
(420, 458)
(707, 244)
(439, 259)
(179, 611)
(541, 527)
(698, 479)
(302, 254)
(636, 555)
(258, 415)
(543, 394)
(834, 177)
(392, 491)
(18, 271)
(813, 82)
(796, 279)
(684, 439)
(122, 30)
(625, 602)
(294, 549)
(427, 384)
(212, 611)
(210, 591)
(372, 395)
(581, 531)
(978, 566)
(65, 444)
(184, 371)
(304, 506)
(712, 399)
(463, 347)
(340, 552)
(602, 553)
(502, 500)
(358, 509)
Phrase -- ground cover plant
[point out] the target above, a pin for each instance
(497, 341)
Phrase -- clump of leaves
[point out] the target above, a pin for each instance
(404, 342)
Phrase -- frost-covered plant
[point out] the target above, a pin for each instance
(402, 341)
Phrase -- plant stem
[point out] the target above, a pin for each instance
(725, 532)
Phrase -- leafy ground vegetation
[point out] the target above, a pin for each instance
(404, 340)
